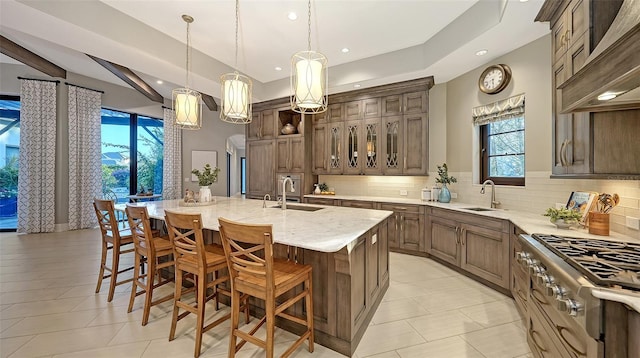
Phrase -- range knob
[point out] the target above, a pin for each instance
(556, 291)
(545, 279)
(529, 262)
(536, 269)
(521, 256)
(572, 307)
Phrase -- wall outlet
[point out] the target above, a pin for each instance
(454, 195)
(633, 223)
(403, 192)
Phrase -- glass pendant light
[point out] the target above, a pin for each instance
(187, 103)
(236, 91)
(309, 78)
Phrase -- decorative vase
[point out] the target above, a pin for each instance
(205, 194)
(445, 195)
(288, 129)
(317, 191)
(561, 224)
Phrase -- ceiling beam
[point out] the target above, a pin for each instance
(130, 78)
(210, 102)
(30, 59)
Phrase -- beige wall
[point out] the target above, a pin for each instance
(212, 136)
(452, 139)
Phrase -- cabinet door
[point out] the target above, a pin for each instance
(283, 148)
(393, 231)
(371, 108)
(335, 156)
(371, 146)
(411, 229)
(416, 147)
(392, 105)
(352, 144)
(260, 168)
(335, 112)
(559, 37)
(442, 239)
(415, 102)
(485, 253)
(319, 201)
(577, 20)
(358, 204)
(353, 110)
(253, 129)
(269, 123)
(392, 145)
(320, 154)
(296, 154)
(561, 122)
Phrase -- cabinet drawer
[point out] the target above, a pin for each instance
(472, 219)
(410, 208)
(359, 204)
(319, 201)
(540, 339)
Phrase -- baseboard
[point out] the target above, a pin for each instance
(61, 227)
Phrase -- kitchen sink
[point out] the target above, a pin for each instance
(479, 209)
(299, 207)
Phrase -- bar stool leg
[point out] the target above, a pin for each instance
(201, 293)
(235, 318)
(134, 284)
(177, 295)
(151, 276)
(309, 306)
(114, 271)
(103, 263)
(270, 312)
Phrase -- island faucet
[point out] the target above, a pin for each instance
(284, 191)
(264, 200)
(494, 203)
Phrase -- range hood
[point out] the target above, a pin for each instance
(612, 68)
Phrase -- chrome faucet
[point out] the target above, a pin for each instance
(284, 191)
(494, 203)
(264, 200)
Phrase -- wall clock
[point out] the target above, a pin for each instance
(494, 78)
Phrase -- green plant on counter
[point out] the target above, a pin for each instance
(567, 215)
(208, 176)
(323, 187)
(443, 175)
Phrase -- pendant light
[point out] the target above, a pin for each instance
(236, 91)
(309, 78)
(187, 103)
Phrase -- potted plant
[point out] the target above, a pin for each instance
(205, 178)
(444, 179)
(563, 218)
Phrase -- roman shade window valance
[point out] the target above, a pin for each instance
(509, 108)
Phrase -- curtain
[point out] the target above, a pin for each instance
(512, 107)
(37, 158)
(85, 166)
(172, 166)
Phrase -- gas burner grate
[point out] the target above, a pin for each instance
(606, 263)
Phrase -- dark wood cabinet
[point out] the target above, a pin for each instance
(406, 226)
(290, 154)
(263, 125)
(260, 168)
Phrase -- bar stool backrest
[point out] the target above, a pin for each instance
(105, 213)
(140, 226)
(185, 232)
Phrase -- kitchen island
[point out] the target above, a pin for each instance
(347, 248)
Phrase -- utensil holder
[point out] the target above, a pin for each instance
(598, 223)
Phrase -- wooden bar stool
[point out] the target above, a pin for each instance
(202, 261)
(149, 248)
(264, 278)
(112, 239)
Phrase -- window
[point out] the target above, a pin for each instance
(502, 152)
(132, 153)
(9, 160)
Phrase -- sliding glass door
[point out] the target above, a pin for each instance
(9, 160)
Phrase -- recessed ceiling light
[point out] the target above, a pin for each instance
(524, 0)
(356, 86)
(345, 50)
(278, 68)
(292, 16)
(607, 96)
(159, 82)
(482, 52)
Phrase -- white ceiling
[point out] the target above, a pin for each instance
(389, 41)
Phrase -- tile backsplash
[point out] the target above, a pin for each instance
(539, 193)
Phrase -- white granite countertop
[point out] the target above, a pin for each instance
(326, 230)
(528, 222)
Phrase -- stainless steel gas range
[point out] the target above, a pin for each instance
(564, 317)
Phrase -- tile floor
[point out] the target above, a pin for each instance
(48, 308)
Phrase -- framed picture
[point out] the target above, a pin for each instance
(582, 201)
(201, 157)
